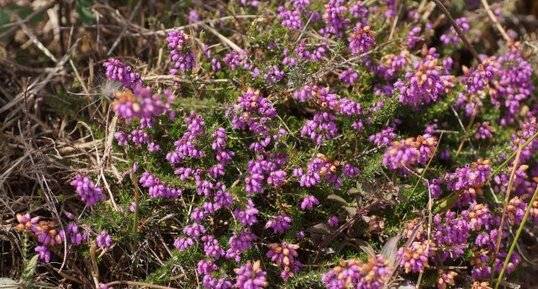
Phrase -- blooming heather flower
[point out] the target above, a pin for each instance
(206, 267)
(361, 39)
(141, 103)
(321, 128)
(211, 282)
(348, 76)
(477, 79)
(104, 240)
(333, 221)
(516, 210)
(253, 112)
(318, 169)
(469, 180)
(478, 216)
(483, 131)
(346, 275)
(44, 253)
(239, 242)
(250, 276)
(117, 71)
(212, 247)
(413, 37)
(451, 37)
(156, 188)
(427, 83)
(285, 256)
(375, 273)
(279, 224)
(446, 279)
(273, 75)
(514, 84)
(335, 17)
(248, 216)
(290, 18)
(309, 202)
(450, 234)
(86, 189)
(383, 138)
(183, 243)
(181, 56)
(415, 257)
(408, 153)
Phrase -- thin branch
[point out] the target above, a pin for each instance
(495, 21)
(458, 30)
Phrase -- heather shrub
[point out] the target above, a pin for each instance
(328, 144)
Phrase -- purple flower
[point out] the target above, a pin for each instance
(289, 18)
(321, 128)
(415, 257)
(183, 243)
(279, 224)
(361, 40)
(451, 37)
(86, 189)
(309, 202)
(273, 75)
(348, 76)
(408, 153)
(104, 240)
(250, 276)
(285, 256)
(383, 138)
(333, 221)
(117, 71)
(44, 253)
(181, 56)
(248, 216)
(483, 131)
(239, 242)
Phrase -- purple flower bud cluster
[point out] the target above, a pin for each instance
(158, 189)
(273, 75)
(348, 76)
(87, 190)
(279, 224)
(182, 57)
(478, 79)
(384, 138)
(186, 146)
(410, 152)
(250, 276)
(118, 71)
(238, 243)
(290, 18)
(357, 274)
(309, 202)
(451, 37)
(414, 258)
(285, 256)
(265, 169)
(483, 131)
(321, 168)
(253, 112)
(426, 83)
(142, 103)
(361, 40)
(104, 240)
(514, 84)
(469, 180)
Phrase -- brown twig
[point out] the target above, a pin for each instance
(458, 30)
(495, 21)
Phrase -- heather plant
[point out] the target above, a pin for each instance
(330, 144)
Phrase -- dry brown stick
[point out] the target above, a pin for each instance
(458, 30)
(115, 44)
(495, 21)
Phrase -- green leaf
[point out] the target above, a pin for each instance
(29, 270)
(84, 12)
